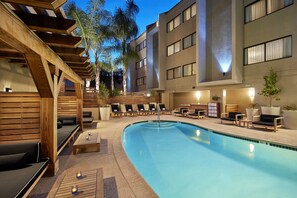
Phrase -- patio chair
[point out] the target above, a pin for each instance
(163, 109)
(152, 108)
(115, 111)
(130, 111)
(233, 117)
(141, 110)
(182, 111)
(198, 113)
(269, 121)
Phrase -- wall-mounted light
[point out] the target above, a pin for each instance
(7, 89)
(251, 92)
(224, 93)
(198, 96)
(148, 95)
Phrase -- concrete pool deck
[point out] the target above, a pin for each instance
(121, 179)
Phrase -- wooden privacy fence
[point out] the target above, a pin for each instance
(19, 117)
(67, 106)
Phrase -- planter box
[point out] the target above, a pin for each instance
(270, 110)
(104, 113)
(290, 119)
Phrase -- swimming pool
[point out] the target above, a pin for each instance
(182, 160)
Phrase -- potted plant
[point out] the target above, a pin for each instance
(271, 91)
(215, 97)
(103, 99)
(290, 116)
(251, 111)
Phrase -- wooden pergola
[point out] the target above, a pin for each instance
(36, 34)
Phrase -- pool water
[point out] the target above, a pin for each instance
(181, 160)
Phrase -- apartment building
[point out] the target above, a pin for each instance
(223, 48)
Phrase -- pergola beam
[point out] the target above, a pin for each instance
(66, 51)
(60, 40)
(20, 37)
(74, 59)
(11, 55)
(45, 23)
(46, 4)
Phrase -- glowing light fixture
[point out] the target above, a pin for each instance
(252, 148)
(198, 133)
(251, 92)
(224, 92)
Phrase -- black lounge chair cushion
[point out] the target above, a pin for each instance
(152, 107)
(67, 120)
(228, 119)
(162, 107)
(64, 133)
(59, 124)
(32, 150)
(87, 114)
(267, 120)
(18, 179)
(141, 107)
(88, 120)
(115, 108)
(15, 183)
(264, 123)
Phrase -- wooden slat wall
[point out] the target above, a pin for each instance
(67, 106)
(90, 100)
(19, 117)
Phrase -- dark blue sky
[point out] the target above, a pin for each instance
(148, 13)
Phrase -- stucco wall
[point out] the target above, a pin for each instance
(15, 77)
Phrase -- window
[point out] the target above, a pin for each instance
(141, 46)
(272, 50)
(173, 73)
(189, 12)
(254, 54)
(140, 81)
(263, 7)
(174, 23)
(189, 41)
(274, 5)
(255, 11)
(140, 64)
(189, 69)
(280, 48)
(174, 48)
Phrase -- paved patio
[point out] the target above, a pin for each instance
(121, 179)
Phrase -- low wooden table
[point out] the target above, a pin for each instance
(244, 123)
(82, 142)
(90, 185)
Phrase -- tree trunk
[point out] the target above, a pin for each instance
(97, 73)
(112, 82)
(125, 81)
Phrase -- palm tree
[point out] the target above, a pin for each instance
(124, 29)
(89, 28)
(108, 65)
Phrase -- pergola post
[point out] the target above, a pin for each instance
(79, 96)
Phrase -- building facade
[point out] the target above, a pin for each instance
(222, 48)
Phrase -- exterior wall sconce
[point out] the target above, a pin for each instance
(198, 96)
(7, 89)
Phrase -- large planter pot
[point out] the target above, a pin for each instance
(250, 113)
(104, 113)
(270, 110)
(290, 118)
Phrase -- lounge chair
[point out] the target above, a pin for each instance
(269, 121)
(163, 109)
(199, 113)
(141, 110)
(233, 117)
(130, 111)
(87, 117)
(153, 109)
(182, 112)
(115, 111)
